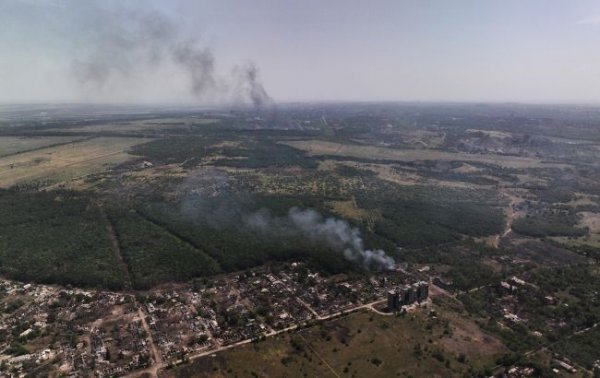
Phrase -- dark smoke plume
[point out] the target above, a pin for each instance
(200, 64)
(124, 42)
(250, 86)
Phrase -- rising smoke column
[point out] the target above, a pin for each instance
(335, 233)
(123, 41)
(249, 86)
(200, 65)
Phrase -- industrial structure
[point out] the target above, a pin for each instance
(406, 295)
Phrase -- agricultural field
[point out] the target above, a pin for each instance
(16, 145)
(65, 162)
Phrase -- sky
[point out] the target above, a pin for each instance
(239, 51)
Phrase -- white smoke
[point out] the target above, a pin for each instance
(335, 233)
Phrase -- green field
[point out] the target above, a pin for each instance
(362, 344)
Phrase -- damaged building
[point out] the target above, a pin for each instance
(407, 295)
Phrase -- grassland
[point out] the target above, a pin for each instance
(588, 220)
(13, 145)
(325, 148)
(361, 345)
(65, 162)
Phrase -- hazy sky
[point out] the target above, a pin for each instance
(78, 50)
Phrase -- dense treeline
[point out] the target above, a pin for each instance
(56, 237)
(175, 149)
(217, 227)
(61, 237)
(554, 194)
(549, 225)
(246, 153)
(261, 154)
(154, 255)
(463, 260)
(582, 348)
(421, 216)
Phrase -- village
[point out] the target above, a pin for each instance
(47, 329)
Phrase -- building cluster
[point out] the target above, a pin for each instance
(252, 304)
(69, 331)
(76, 332)
(510, 286)
(407, 295)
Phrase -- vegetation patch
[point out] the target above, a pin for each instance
(56, 237)
(549, 225)
(154, 255)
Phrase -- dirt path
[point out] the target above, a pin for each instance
(509, 212)
(116, 247)
(316, 315)
(175, 234)
(372, 308)
(318, 355)
(306, 305)
(158, 362)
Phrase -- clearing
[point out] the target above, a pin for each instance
(321, 147)
(65, 162)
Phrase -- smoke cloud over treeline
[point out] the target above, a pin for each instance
(210, 201)
(334, 233)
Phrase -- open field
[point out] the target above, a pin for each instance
(591, 221)
(152, 125)
(362, 344)
(65, 162)
(320, 147)
(13, 145)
